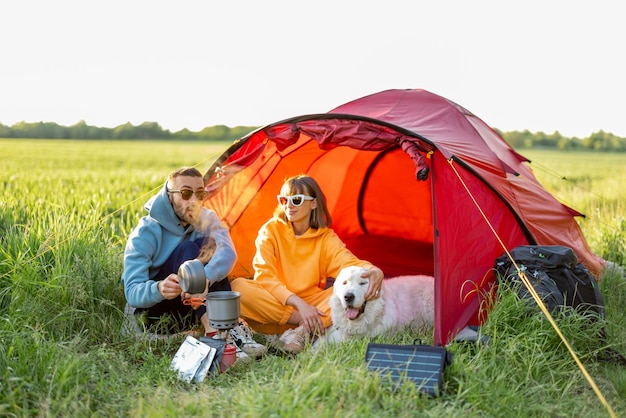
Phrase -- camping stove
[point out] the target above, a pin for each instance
(223, 309)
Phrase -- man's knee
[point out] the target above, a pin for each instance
(187, 250)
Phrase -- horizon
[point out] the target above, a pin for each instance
(255, 127)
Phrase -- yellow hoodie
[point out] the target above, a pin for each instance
(285, 264)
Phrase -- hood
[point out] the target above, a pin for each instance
(160, 209)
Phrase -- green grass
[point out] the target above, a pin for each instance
(66, 208)
(593, 184)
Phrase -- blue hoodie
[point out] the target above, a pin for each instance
(155, 238)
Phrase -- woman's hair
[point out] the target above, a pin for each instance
(303, 184)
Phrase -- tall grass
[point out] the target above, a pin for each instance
(593, 184)
(66, 208)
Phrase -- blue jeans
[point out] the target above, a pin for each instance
(182, 316)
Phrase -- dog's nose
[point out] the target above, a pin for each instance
(349, 297)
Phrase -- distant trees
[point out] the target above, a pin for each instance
(597, 141)
(146, 130)
(604, 141)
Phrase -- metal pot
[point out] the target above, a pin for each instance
(223, 309)
(192, 277)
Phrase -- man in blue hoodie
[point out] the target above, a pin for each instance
(178, 228)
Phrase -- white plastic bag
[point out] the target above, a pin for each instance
(193, 360)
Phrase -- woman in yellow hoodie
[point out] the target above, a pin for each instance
(296, 252)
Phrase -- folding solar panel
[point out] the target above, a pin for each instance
(421, 364)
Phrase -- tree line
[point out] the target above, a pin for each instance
(146, 130)
(597, 141)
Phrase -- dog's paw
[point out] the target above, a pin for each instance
(334, 335)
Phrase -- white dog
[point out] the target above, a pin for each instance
(404, 301)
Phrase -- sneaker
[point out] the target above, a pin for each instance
(132, 328)
(241, 355)
(293, 340)
(242, 337)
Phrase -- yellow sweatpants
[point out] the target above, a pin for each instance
(265, 314)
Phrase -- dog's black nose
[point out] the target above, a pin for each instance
(349, 297)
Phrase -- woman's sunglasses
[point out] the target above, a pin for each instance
(296, 199)
(187, 193)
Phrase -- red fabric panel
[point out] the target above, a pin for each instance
(453, 129)
(551, 222)
(465, 246)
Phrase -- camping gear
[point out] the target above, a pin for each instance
(219, 345)
(555, 274)
(421, 364)
(559, 280)
(195, 303)
(193, 360)
(192, 276)
(229, 357)
(223, 309)
(415, 183)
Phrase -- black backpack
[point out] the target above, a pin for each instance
(560, 281)
(556, 275)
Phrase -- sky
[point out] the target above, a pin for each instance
(547, 65)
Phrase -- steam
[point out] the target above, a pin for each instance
(207, 250)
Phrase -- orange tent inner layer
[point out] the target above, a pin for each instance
(379, 218)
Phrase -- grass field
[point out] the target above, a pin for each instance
(66, 208)
(593, 184)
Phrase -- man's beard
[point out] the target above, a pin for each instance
(187, 215)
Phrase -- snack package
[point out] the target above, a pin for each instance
(193, 360)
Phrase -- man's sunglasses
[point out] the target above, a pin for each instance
(187, 193)
(296, 199)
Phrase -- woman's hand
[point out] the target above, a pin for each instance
(310, 316)
(375, 276)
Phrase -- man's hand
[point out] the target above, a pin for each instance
(169, 287)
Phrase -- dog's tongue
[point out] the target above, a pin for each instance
(352, 313)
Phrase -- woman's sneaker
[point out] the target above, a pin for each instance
(242, 337)
(293, 340)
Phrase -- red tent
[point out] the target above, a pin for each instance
(371, 157)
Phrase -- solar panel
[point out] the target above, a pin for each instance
(421, 364)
